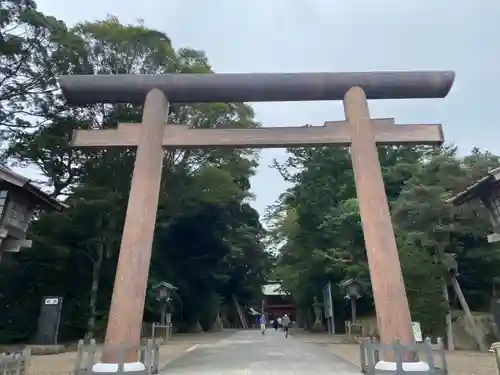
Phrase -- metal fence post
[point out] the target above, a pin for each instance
(495, 348)
(370, 349)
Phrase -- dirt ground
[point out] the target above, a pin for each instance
(461, 362)
(64, 363)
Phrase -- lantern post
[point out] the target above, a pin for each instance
(353, 291)
(164, 296)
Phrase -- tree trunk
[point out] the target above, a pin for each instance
(94, 291)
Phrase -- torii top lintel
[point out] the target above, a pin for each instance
(254, 87)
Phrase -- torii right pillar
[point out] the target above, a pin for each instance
(391, 303)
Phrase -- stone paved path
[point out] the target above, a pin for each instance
(250, 353)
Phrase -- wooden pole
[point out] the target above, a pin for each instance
(449, 323)
(468, 314)
(353, 310)
(127, 303)
(391, 303)
(439, 257)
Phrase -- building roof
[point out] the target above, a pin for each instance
(475, 190)
(346, 283)
(43, 199)
(166, 285)
(274, 289)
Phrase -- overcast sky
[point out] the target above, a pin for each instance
(335, 35)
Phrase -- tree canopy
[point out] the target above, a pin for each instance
(316, 227)
(208, 241)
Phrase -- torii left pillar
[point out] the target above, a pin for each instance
(129, 290)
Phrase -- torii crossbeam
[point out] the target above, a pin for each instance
(332, 132)
(358, 130)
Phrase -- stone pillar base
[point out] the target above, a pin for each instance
(195, 328)
(407, 366)
(123, 358)
(318, 327)
(133, 368)
(217, 326)
(495, 348)
(399, 361)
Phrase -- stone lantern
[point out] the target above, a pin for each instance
(20, 202)
(164, 296)
(353, 290)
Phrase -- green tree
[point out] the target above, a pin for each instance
(326, 225)
(428, 227)
(34, 48)
(202, 217)
(317, 229)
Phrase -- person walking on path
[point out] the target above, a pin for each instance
(285, 322)
(275, 324)
(262, 322)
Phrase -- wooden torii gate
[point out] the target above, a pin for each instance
(358, 130)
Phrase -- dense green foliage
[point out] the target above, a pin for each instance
(209, 240)
(316, 228)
